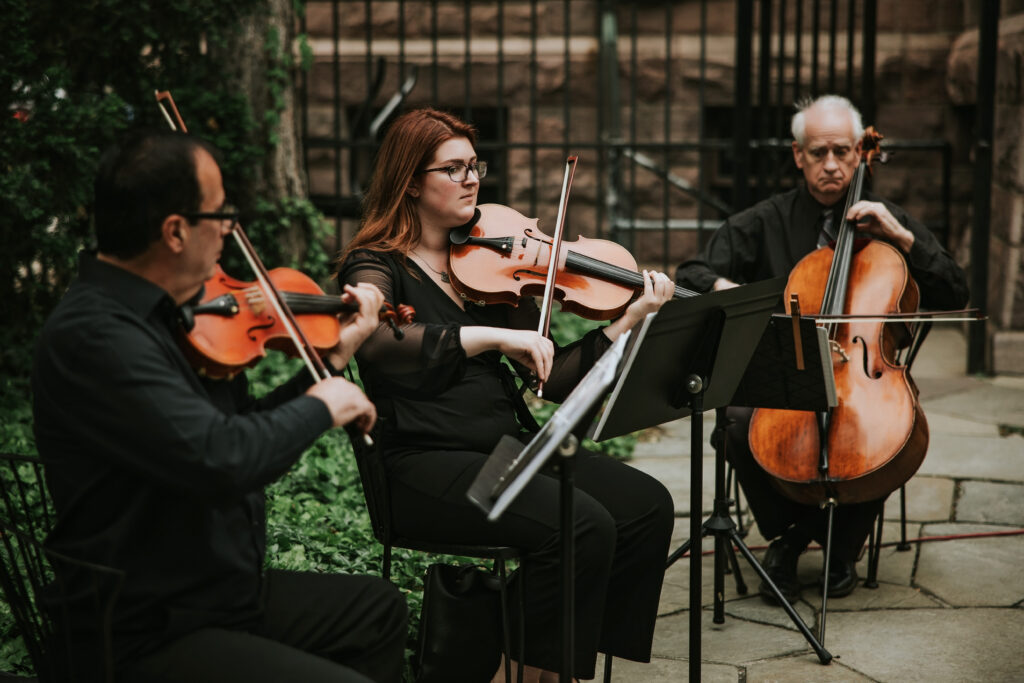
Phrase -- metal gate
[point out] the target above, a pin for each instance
(679, 111)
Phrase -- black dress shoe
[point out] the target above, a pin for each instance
(780, 565)
(842, 578)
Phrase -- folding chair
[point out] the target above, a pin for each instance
(66, 630)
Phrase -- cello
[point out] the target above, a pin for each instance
(876, 437)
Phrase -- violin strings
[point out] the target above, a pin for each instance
(307, 303)
(613, 272)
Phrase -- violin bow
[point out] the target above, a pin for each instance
(556, 248)
(309, 356)
(312, 360)
(955, 316)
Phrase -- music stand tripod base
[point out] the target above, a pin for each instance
(690, 357)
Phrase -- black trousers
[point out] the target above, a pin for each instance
(776, 514)
(315, 628)
(623, 521)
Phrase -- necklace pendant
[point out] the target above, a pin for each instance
(444, 276)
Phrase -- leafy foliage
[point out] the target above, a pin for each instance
(73, 78)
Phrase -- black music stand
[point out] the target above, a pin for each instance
(794, 372)
(688, 358)
(511, 466)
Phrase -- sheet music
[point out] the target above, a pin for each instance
(710, 337)
(529, 461)
(595, 432)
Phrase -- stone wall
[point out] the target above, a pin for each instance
(1006, 249)
(923, 54)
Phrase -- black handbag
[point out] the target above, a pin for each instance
(460, 625)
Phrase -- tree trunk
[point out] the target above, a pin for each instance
(248, 64)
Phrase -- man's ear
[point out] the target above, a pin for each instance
(797, 157)
(174, 232)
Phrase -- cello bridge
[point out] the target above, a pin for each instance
(837, 348)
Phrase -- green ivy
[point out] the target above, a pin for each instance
(73, 77)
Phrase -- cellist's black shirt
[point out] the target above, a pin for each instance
(768, 239)
(154, 471)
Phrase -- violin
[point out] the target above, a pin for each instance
(234, 323)
(502, 256)
(874, 440)
(239, 345)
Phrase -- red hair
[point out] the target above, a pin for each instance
(390, 221)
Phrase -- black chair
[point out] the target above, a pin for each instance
(63, 644)
(918, 335)
(378, 503)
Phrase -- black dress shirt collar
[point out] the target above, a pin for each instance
(133, 291)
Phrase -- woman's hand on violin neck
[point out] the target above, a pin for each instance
(346, 402)
(523, 346)
(356, 327)
(658, 288)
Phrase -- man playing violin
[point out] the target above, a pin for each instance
(766, 241)
(159, 473)
(446, 398)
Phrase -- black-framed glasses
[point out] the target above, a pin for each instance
(459, 172)
(227, 213)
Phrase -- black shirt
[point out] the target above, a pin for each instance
(428, 393)
(768, 239)
(152, 470)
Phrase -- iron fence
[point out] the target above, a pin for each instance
(679, 111)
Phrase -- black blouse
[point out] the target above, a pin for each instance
(428, 393)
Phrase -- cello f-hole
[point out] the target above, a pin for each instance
(864, 358)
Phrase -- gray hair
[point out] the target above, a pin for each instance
(836, 102)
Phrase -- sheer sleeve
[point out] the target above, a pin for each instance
(429, 357)
(571, 362)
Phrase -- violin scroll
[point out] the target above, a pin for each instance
(871, 147)
(403, 314)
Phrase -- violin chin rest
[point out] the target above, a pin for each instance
(460, 234)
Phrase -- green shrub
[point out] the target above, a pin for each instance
(73, 77)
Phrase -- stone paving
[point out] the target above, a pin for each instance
(945, 610)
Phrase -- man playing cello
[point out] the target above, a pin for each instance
(766, 241)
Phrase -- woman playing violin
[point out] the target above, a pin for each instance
(445, 400)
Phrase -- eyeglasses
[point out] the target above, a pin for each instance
(459, 172)
(821, 153)
(227, 213)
